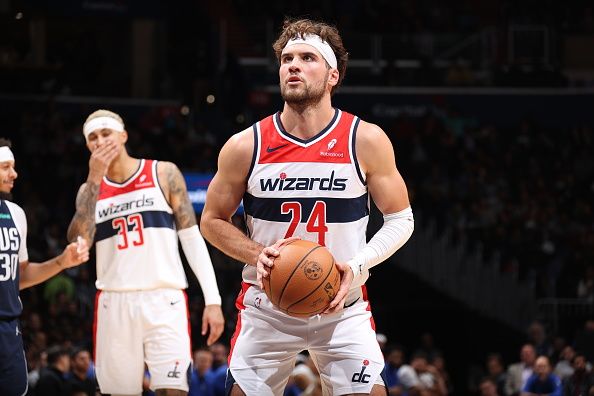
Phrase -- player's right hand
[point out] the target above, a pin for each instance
(213, 323)
(75, 253)
(100, 160)
(267, 256)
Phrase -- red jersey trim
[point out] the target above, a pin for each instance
(330, 146)
(143, 178)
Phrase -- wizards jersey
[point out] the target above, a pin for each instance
(310, 188)
(136, 236)
(13, 250)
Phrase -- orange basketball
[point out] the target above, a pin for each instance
(303, 280)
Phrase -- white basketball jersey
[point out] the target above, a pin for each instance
(136, 238)
(310, 188)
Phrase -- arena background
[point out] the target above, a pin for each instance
(488, 104)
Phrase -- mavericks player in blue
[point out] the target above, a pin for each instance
(17, 273)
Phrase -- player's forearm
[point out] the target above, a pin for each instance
(230, 240)
(199, 260)
(83, 221)
(35, 273)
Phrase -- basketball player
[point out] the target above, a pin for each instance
(135, 210)
(307, 172)
(17, 273)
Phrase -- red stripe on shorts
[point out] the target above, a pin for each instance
(188, 319)
(364, 291)
(240, 306)
(95, 325)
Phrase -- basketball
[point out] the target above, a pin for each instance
(303, 280)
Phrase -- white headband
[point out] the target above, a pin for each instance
(315, 41)
(101, 123)
(6, 154)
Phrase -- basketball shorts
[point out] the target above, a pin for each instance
(138, 327)
(266, 342)
(13, 366)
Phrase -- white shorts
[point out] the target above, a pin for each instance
(342, 345)
(132, 328)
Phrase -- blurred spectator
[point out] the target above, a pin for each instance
(538, 338)
(518, 373)
(542, 382)
(558, 345)
(37, 361)
(394, 360)
(564, 367)
(428, 346)
(201, 381)
(219, 367)
(79, 378)
(52, 379)
(439, 364)
(496, 372)
(487, 387)
(584, 341)
(581, 382)
(421, 378)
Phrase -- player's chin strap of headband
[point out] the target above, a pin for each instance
(394, 233)
(102, 123)
(316, 41)
(199, 260)
(6, 154)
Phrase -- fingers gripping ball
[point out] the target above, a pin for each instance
(303, 280)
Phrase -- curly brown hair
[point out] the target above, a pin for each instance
(299, 27)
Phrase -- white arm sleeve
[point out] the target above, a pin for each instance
(197, 254)
(394, 233)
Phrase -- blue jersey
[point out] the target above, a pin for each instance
(13, 250)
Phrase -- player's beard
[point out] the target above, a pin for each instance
(306, 95)
(6, 196)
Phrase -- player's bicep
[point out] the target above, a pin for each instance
(388, 191)
(223, 197)
(226, 189)
(384, 181)
(177, 195)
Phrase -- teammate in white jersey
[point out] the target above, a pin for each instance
(135, 210)
(306, 172)
(16, 273)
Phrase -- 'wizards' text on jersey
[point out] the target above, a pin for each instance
(310, 188)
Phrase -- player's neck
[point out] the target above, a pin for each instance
(122, 168)
(307, 122)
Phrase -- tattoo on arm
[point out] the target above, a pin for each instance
(83, 222)
(180, 201)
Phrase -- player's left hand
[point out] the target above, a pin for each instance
(346, 278)
(75, 253)
(213, 323)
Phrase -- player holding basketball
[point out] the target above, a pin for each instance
(135, 210)
(17, 273)
(307, 171)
